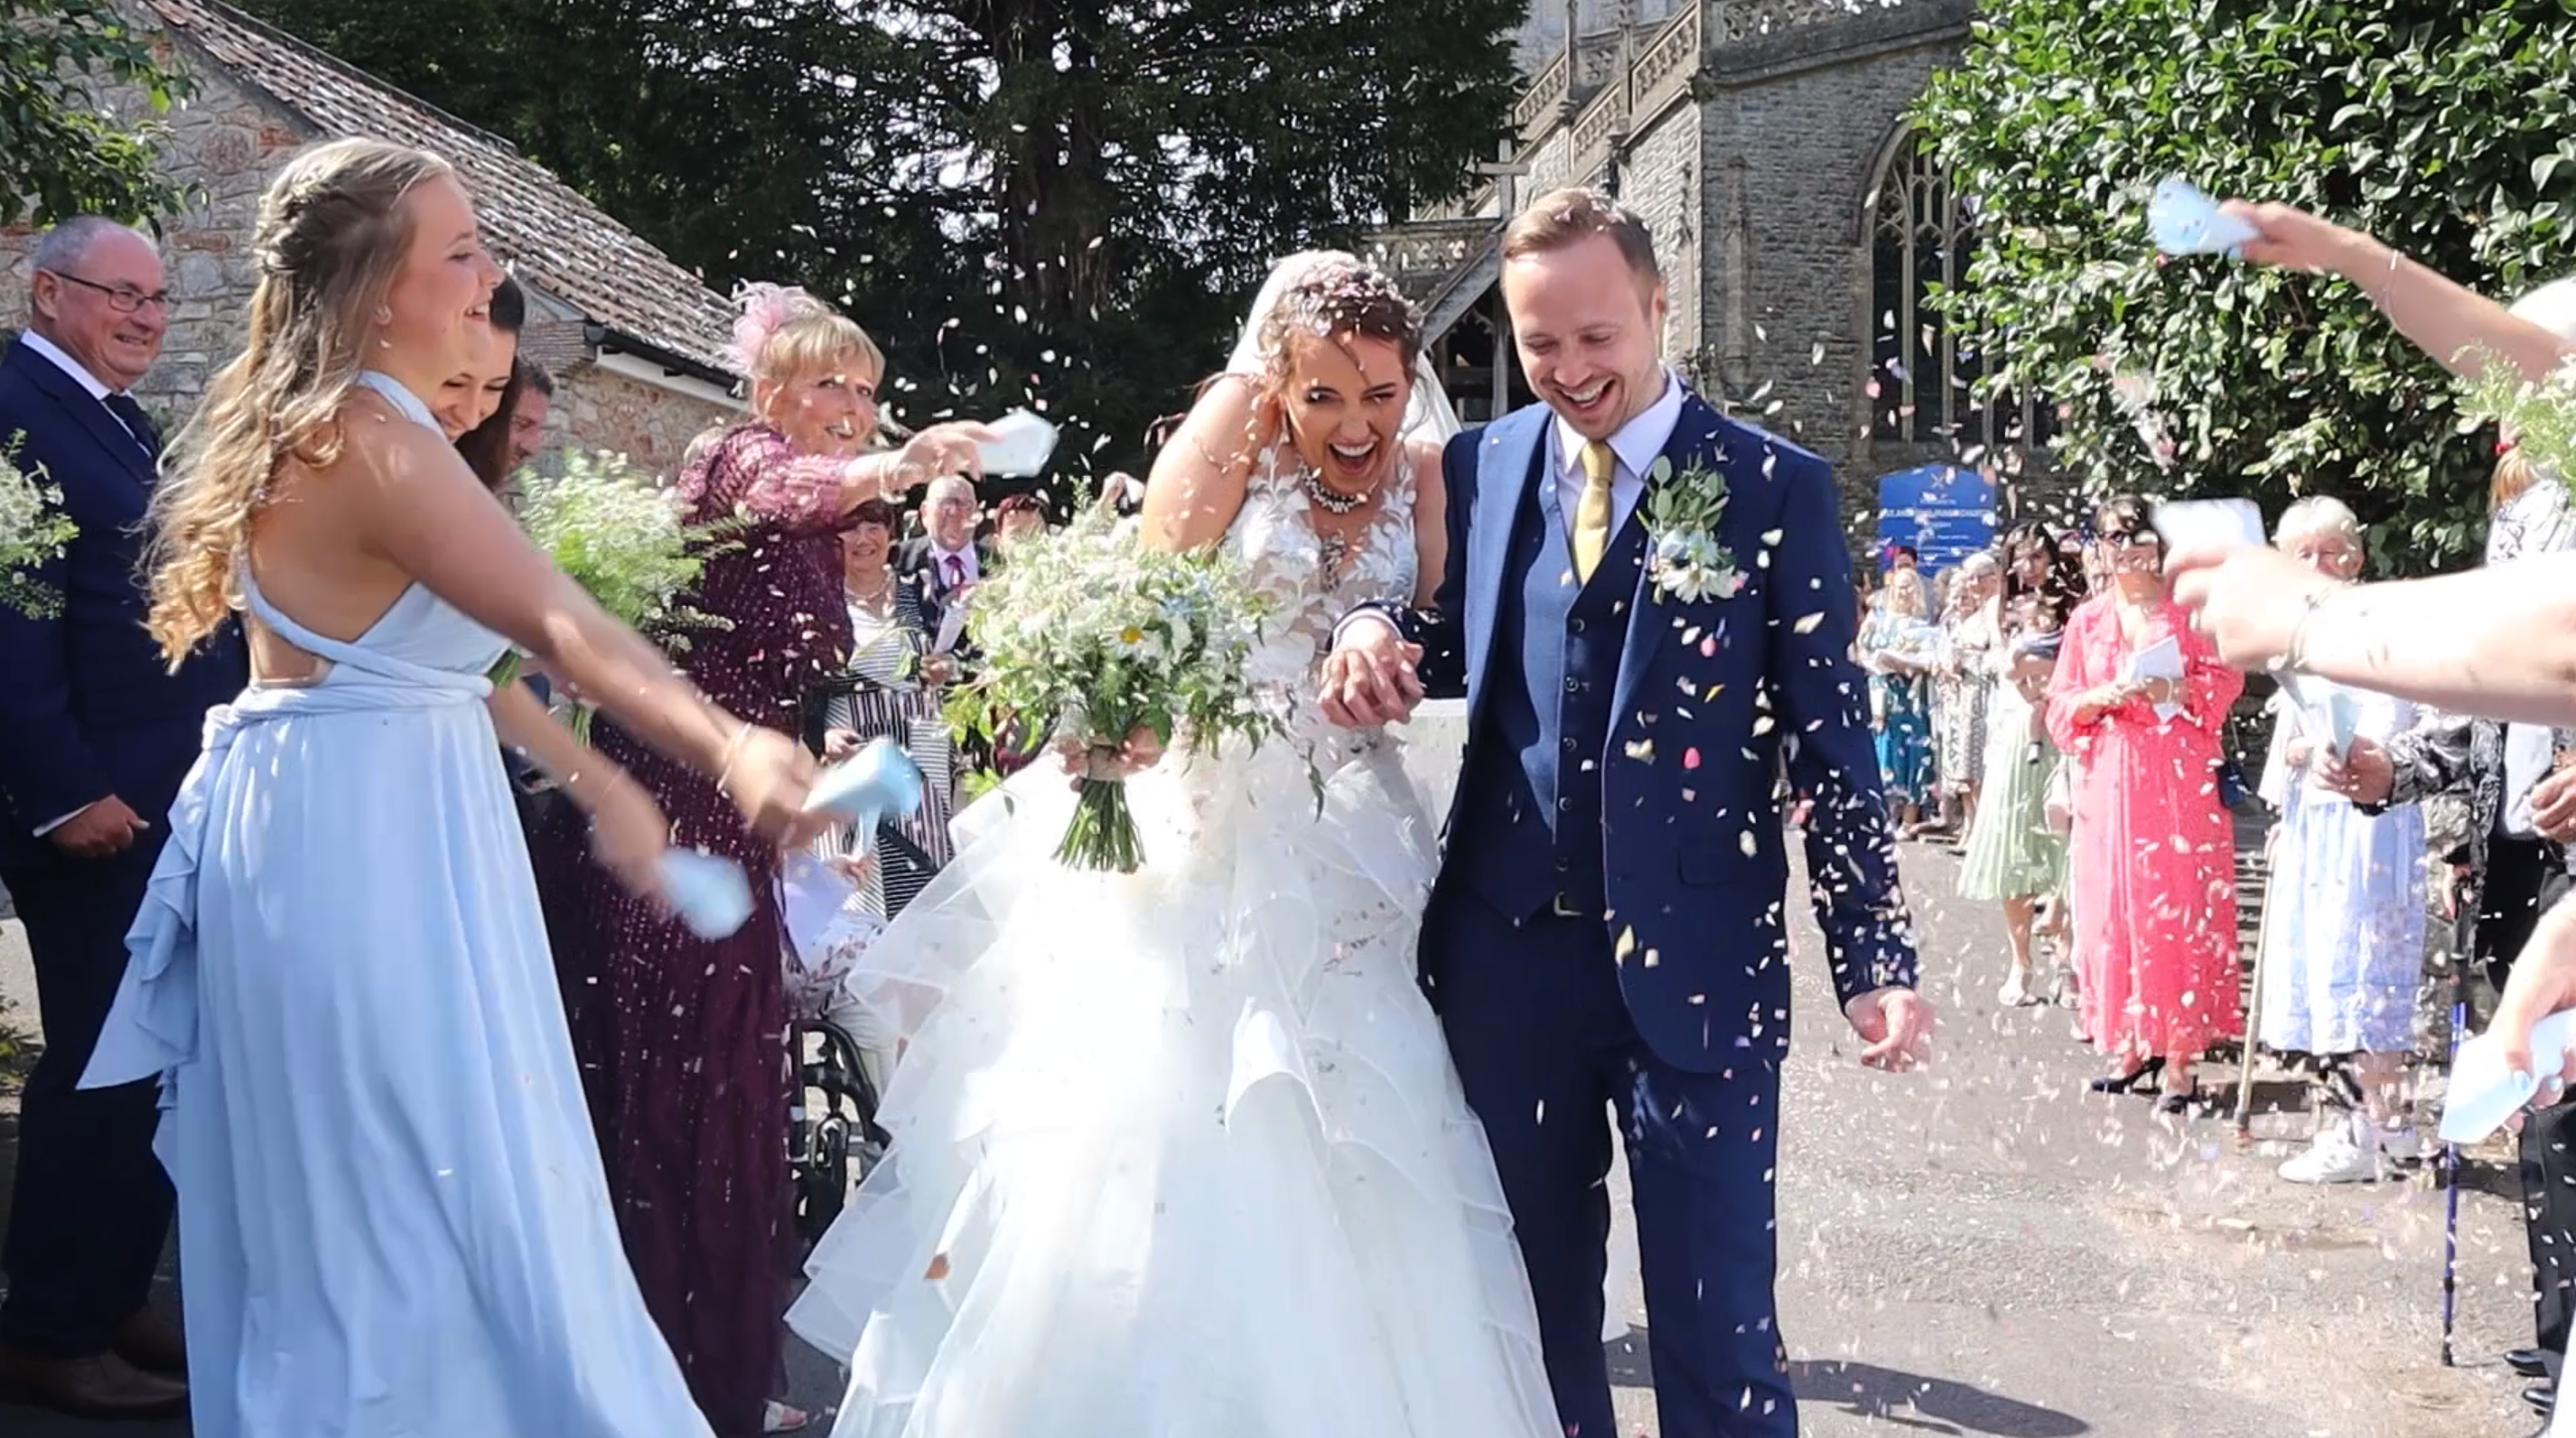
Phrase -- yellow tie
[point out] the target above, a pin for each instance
(1592, 512)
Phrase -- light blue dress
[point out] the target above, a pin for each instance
(391, 1214)
(2346, 927)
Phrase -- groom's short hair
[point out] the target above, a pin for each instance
(1562, 219)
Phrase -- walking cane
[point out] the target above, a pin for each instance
(2254, 1020)
(2451, 1151)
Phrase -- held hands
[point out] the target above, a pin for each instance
(101, 831)
(1897, 1025)
(1369, 678)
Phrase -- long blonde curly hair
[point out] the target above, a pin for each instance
(332, 234)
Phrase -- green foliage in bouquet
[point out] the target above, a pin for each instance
(612, 530)
(1113, 637)
(33, 533)
(2447, 130)
(2540, 417)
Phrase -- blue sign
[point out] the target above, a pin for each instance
(1942, 512)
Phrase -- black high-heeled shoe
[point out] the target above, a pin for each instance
(2182, 1101)
(2123, 1083)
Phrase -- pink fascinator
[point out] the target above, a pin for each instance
(764, 308)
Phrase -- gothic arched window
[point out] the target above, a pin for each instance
(1923, 374)
(1920, 240)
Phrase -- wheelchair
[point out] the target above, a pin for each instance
(833, 1137)
(834, 1140)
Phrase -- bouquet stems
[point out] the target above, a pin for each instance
(504, 671)
(1102, 837)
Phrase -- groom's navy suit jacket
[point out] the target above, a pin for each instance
(1608, 931)
(1623, 745)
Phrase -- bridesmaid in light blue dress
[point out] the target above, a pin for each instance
(392, 1218)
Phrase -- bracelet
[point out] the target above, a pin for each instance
(2294, 656)
(733, 751)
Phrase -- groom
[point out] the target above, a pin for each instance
(1608, 931)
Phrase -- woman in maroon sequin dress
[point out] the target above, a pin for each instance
(682, 1042)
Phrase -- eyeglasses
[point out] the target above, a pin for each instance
(123, 299)
(2128, 536)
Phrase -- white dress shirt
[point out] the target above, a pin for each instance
(1638, 444)
(967, 571)
(53, 354)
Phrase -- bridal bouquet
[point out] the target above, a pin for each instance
(624, 540)
(1112, 638)
(33, 532)
(2540, 417)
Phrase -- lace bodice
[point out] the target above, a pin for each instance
(1275, 537)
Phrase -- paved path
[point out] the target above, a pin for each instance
(1987, 1249)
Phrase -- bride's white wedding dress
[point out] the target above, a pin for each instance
(1180, 1153)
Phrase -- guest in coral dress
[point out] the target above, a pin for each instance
(2138, 703)
(682, 1042)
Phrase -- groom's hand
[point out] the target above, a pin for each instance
(1897, 1025)
(1370, 677)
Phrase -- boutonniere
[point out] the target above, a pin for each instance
(1683, 555)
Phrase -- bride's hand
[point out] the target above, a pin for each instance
(628, 833)
(766, 776)
(1141, 750)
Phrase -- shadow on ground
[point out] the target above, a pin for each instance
(1885, 1395)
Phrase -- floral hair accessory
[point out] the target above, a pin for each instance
(765, 307)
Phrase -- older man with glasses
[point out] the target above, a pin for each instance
(95, 736)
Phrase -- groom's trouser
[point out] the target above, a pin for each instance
(1544, 1045)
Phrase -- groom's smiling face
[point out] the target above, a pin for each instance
(1588, 329)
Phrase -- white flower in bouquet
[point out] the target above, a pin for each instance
(33, 533)
(624, 540)
(1108, 638)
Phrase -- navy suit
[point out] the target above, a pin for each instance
(1608, 929)
(88, 710)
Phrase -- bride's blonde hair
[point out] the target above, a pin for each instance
(331, 236)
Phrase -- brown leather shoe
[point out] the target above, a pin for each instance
(101, 1386)
(147, 1341)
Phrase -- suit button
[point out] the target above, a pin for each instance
(1564, 864)
(1573, 686)
(1574, 626)
(1570, 746)
(1564, 806)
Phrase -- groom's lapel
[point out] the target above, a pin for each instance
(1694, 442)
(1506, 463)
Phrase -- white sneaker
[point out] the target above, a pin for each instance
(2334, 1158)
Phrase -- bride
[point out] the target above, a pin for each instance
(1180, 1152)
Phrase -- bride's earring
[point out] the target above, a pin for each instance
(384, 316)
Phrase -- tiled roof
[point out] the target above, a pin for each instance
(551, 236)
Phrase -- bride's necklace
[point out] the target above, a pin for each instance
(1330, 500)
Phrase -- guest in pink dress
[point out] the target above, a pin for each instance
(2152, 858)
(682, 1042)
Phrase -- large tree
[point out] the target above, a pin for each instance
(1064, 200)
(62, 152)
(2442, 128)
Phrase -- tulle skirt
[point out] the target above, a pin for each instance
(1178, 1153)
